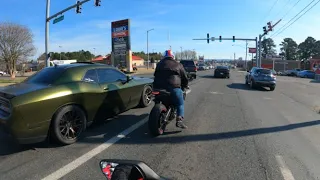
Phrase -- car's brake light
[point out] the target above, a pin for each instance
(155, 92)
(195, 68)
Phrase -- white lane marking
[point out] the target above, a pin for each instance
(213, 92)
(268, 98)
(89, 155)
(286, 173)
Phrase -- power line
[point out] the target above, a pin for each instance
(283, 8)
(271, 9)
(292, 18)
(290, 9)
(285, 15)
(298, 17)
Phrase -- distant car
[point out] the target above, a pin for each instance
(306, 74)
(261, 77)
(62, 101)
(190, 67)
(202, 67)
(222, 71)
(293, 72)
(2, 73)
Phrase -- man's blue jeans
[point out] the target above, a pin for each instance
(178, 101)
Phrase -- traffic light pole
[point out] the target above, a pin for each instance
(233, 39)
(48, 18)
(261, 36)
(258, 64)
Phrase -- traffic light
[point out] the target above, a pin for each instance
(269, 26)
(265, 30)
(220, 38)
(234, 39)
(97, 2)
(208, 36)
(78, 8)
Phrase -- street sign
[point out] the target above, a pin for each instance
(252, 50)
(56, 20)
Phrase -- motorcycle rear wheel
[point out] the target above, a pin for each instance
(156, 120)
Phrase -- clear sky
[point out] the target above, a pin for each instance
(182, 19)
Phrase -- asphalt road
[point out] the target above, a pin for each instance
(234, 133)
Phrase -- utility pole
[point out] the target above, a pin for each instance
(60, 51)
(47, 34)
(234, 56)
(246, 54)
(48, 18)
(148, 47)
(260, 51)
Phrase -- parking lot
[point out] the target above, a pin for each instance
(234, 133)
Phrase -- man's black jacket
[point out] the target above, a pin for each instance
(169, 73)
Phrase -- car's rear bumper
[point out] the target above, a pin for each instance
(266, 83)
(21, 135)
(221, 74)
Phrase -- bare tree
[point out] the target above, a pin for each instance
(186, 55)
(16, 44)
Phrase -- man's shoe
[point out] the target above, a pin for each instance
(181, 125)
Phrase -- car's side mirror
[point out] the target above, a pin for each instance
(113, 169)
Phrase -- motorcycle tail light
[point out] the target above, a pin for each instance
(155, 92)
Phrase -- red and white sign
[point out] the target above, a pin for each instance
(252, 50)
(120, 34)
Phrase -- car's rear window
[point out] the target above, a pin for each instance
(187, 63)
(263, 71)
(45, 76)
(222, 67)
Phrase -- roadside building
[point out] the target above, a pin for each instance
(107, 60)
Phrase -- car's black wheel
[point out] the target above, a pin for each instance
(272, 88)
(252, 85)
(146, 96)
(156, 120)
(68, 124)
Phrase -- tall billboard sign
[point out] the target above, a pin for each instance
(120, 35)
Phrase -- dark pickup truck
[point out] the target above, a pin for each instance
(190, 67)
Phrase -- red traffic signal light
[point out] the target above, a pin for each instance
(269, 26)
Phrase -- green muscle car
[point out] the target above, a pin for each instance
(62, 100)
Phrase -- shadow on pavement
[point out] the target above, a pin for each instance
(104, 129)
(209, 77)
(171, 132)
(244, 87)
(145, 138)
